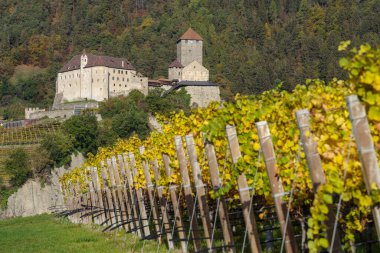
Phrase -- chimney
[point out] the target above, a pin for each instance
(122, 64)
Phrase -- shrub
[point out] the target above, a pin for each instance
(84, 130)
(59, 146)
(18, 166)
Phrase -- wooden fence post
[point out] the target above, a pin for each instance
(107, 192)
(222, 210)
(244, 192)
(151, 196)
(120, 197)
(132, 197)
(366, 149)
(140, 198)
(98, 190)
(96, 206)
(200, 189)
(317, 175)
(173, 196)
(121, 180)
(163, 205)
(91, 203)
(276, 185)
(78, 201)
(113, 191)
(191, 208)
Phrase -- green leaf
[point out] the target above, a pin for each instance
(328, 198)
(323, 243)
(374, 113)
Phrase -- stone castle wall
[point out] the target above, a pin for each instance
(202, 96)
(63, 114)
(30, 110)
(195, 72)
(189, 51)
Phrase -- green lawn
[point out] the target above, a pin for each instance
(46, 233)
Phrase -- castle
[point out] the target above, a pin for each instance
(92, 77)
(89, 77)
(189, 72)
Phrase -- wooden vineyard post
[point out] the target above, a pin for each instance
(200, 189)
(140, 198)
(173, 196)
(366, 149)
(191, 208)
(91, 205)
(113, 191)
(121, 180)
(163, 205)
(98, 190)
(108, 196)
(74, 204)
(96, 207)
(317, 175)
(128, 194)
(94, 201)
(222, 210)
(276, 185)
(132, 197)
(78, 203)
(151, 196)
(244, 192)
(120, 197)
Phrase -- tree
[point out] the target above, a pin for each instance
(84, 131)
(18, 166)
(129, 122)
(59, 147)
(167, 103)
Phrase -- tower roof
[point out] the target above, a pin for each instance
(190, 34)
(175, 64)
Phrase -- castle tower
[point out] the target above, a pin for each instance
(190, 48)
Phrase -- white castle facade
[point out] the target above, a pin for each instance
(92, 77)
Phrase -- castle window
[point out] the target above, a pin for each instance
(123, 79)
(113, 71)
(118, 71)
(113, 84)
(140, 80)
(118, 78)
(127, 79)
(119, 85)
(125, 85)
(179, 73)
(113, 78)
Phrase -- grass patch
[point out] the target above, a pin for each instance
(46, 233)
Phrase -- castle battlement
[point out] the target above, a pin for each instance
(31, 110)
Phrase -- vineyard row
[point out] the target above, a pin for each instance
(183, 214)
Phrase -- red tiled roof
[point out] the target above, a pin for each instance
(175, 64)
(190, 34)
(96, 60)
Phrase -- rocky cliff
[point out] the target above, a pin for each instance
(36, 198)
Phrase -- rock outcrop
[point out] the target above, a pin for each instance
(35, 198)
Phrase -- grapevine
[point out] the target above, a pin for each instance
(330, 126)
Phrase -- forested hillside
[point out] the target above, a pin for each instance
(250, 46)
